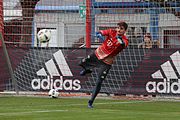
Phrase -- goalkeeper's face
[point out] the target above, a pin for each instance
(120, 30)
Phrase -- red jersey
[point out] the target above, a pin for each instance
(110, 47)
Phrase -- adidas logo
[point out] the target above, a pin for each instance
(53, 79)
(169, 73)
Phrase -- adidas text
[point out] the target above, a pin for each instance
(59, 84)
(163, 87)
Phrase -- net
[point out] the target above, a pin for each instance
(39, 67)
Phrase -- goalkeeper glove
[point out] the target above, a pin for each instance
(119, 38)
(99, 36)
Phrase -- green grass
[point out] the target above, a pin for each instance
(35, 108)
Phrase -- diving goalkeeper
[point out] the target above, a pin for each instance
(115, 41)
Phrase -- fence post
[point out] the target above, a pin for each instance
(9, 64)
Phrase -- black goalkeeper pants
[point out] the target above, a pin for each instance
(90, 62)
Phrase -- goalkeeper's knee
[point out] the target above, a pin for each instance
(103, 75)
(84, 60)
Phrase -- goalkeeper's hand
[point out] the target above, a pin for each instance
(99, 36)
(120, 40)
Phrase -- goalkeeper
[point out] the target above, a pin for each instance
(104, 55)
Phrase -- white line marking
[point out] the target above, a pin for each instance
(30, 112)
(105, 103)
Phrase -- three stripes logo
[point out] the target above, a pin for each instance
(169, 75)
(53, 78)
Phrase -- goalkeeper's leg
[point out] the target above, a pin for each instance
(88, 63)
(103, 71)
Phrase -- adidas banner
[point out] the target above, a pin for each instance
(135, 71)
(157, 73)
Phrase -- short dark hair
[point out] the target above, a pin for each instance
(124, 24)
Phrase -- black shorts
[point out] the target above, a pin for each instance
(91, 61)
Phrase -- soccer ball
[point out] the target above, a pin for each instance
(53, 93)
(44, 35)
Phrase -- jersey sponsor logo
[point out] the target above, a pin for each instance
(50, 77)
(167, 76)
(109, 43)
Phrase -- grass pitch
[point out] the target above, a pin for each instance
(36, 108)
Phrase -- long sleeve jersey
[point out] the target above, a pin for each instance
(110, 47)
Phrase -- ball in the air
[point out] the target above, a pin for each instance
(44, 35)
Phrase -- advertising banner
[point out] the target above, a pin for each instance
(135, 71)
